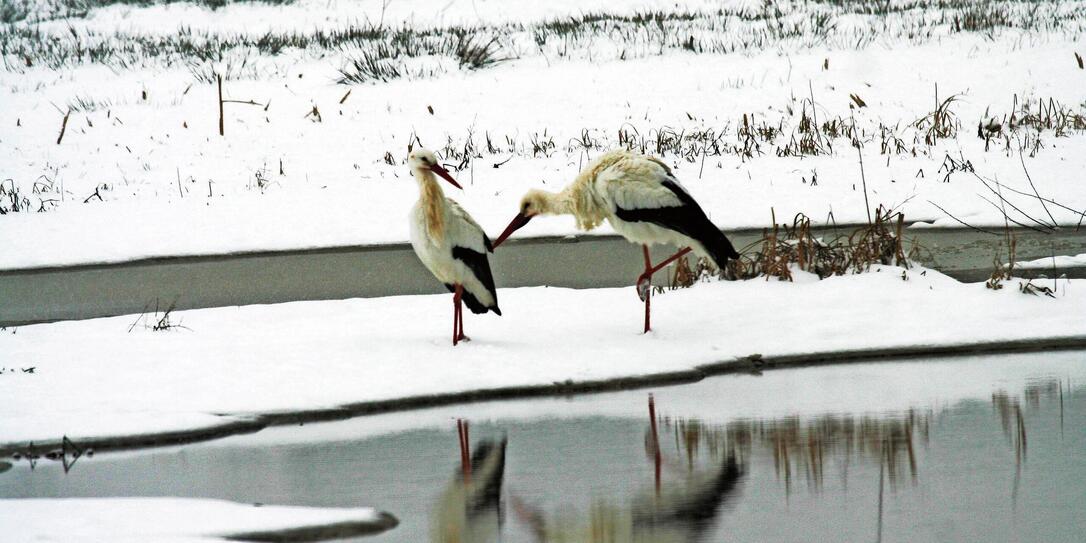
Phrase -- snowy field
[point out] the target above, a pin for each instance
(955, 108)
(176, 520)
(116, 376)
(132, 129)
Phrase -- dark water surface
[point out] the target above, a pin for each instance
(968, 449)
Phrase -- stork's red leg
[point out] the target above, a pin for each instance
(670, 259)
(460, 314)
(648, 286)
(456, 313)
(644, 281)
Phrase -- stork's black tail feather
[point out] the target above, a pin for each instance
(473, 303)
(476, 306)
(480, 266)
(687, 219)
(719, 247)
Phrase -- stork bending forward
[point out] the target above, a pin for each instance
(641, 199)
(450, 244)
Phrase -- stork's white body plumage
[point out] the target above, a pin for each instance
(636, 182)
(436, 253)
(642, 200)
(450, 244)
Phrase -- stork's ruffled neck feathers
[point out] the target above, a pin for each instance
(579, 198)
(432, 202)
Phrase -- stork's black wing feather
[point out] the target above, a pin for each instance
(479, 265)
(687, 219)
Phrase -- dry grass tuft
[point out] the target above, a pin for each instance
(940, 123)
(1003, 272)
(880, 242)
(475, 54)
(158, 322)
(786, 247)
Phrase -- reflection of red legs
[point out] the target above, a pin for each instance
(458, 314)
(655, 442)
(465, 448)
(644, 281)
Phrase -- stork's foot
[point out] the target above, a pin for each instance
(644, 285)
(463, 338)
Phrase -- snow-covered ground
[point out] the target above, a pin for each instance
(109, 133)
(1059, 261)
(99, 378)
(142, 171)
(176, 520)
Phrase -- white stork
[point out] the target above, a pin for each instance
(642, 200)
(450, 244)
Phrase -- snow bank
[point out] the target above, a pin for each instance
(174, 520)
(1058, 261)
(877, 389)
(95, 378)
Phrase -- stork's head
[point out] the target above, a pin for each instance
(535, 202)
(424, 162)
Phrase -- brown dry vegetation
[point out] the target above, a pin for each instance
(786, 247)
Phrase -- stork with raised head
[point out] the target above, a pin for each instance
(450, 243)
(641, 199)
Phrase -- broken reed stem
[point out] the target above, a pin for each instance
(63, 126)
(218, 78)
(1012, 250)
(1081, 214)
(901, 260)
(814, 111)
(961, 221)
(1034, 187)
(1005, 202)
(863, 178)
(96, 194)
(801, 249)
(1023, 225)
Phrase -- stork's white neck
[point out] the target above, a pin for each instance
(432, 203)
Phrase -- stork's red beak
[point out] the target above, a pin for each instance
(517, 223)
(436, 168)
